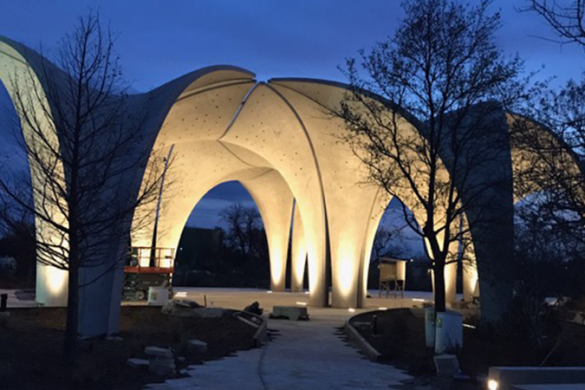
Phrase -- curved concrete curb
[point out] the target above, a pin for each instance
(363, 345)
(260, 335)
(256, 321)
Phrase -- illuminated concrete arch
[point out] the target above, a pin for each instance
(220, 131)
(19, 64)
(352, 224)
(23, 69)
(525, 160)
(276, 138)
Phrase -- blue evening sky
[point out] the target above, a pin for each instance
(160, 40)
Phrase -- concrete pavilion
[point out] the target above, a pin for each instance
(276, 139)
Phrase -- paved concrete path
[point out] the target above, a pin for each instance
(19, 298)
(305, 355)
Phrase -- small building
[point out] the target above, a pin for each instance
(392, 276)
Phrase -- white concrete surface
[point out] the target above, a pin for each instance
(17, 301)
(305, 354)
(238, 298)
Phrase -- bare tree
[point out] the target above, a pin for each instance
(382, 239)
(553, 141)
(83, 143)
(245, 234)
(443, 73)
(385, 242)
(548, 135)
(566, 17)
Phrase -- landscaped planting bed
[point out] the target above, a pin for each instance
(31, 344)
(401, 342)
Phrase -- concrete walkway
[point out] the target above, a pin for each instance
(19, 298)
(304, 355)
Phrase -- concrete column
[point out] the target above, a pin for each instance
(470, 274)
(377, 211)
(274, 200)
(51, 282)
(450, 283)
(347, 265)
(451, 274)
(469, 265)
(298, 252)
(470, 280)
(100, 301)
(51, 286)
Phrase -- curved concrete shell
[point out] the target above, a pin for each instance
(20, 63)
(277, 139)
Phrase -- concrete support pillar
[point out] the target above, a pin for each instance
(451, 283)
(365, 266)
(451, 274)
(100, 300)
(319, 292)
(298, 252)
(470, 274)
(274, 200)
(346, 262)
(470, 281)
(377, 211)
(51, 282)
(315, 240)
(351, 246)
(51, 286)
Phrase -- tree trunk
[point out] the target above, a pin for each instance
(71, 328)
(439, 275)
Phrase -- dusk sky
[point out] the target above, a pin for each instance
(161, 40)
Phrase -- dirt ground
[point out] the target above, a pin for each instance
(31, 345)
(401, 342)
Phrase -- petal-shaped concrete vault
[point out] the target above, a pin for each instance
(269, 126)
(275, 202)
(353, 208)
